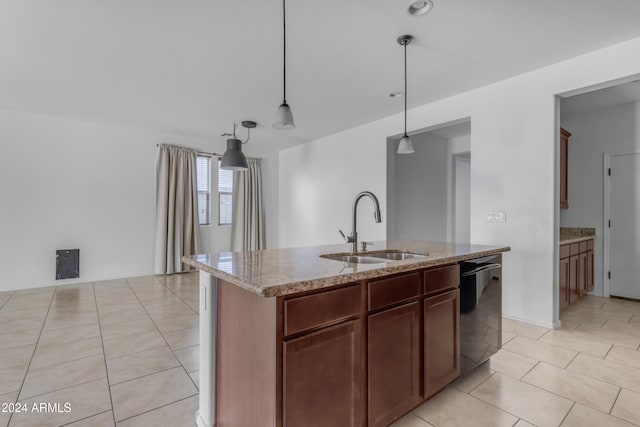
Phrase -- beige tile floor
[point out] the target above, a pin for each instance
(125, 353)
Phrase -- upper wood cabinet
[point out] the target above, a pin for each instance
(564, 168)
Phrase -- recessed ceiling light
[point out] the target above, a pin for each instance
(419, 7)
(396, 94)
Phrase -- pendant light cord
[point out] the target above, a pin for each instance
(284, 54)
(405, 88)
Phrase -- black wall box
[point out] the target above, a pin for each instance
(67, 264)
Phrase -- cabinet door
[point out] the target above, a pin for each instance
(322, 379)
(590, 279)
(441, 341)
(582, 274)
(394, 363)
(564, 282)
(574, 272)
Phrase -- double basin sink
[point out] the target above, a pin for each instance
(375, 257)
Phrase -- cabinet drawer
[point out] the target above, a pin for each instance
(583, 246)
(319, 309)
(575, 249)
(440, 279)
(393, 290)
(590, 245)
(565, 251)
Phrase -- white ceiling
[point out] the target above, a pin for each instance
(193, 67)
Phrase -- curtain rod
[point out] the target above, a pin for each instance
(204, 152)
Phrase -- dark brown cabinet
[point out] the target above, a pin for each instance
(441, 341)
(590, 279)
(394, 363)
(576, 271)
(322, 379)
(413, 340)
(564, 168)
(564, 282)
(582, 274)
(322, 358)
(574, 274)
(361, 354)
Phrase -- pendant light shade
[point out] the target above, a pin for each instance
(405, 146)
(284, 116)
(233, 159)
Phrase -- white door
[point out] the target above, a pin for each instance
(624, 237)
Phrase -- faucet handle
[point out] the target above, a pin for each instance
(348, 239)
(364, 245)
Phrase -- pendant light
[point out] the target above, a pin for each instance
(284, 116)
(405, 146)
(233, 159)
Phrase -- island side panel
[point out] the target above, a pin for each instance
(246, 359)
(205, 416)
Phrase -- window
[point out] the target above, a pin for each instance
(203, 182)
(225, 195)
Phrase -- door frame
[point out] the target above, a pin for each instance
(606, 282)
(466, 155)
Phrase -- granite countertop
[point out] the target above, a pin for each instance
(576, 234)
(276, 272)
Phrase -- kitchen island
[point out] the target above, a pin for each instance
(289, 337)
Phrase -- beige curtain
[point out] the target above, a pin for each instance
(248, 225)
(176, 208)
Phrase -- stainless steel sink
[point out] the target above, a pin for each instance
(397, 255)
(353, 259)
(375, 257)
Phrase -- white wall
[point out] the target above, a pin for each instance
(420, 190)
(612, 130)
(73, 184)
(514, 151)
(318, 182)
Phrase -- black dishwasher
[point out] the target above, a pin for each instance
(480, 310)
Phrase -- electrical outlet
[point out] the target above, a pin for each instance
(496, 216)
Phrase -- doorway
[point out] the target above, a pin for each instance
(426, 189)
(461, 197)
(601, 121)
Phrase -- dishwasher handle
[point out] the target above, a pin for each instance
(485, 267)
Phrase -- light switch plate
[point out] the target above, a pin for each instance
(496, 216)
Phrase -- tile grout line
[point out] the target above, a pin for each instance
(7, 300)
(172, 291)
(86, 418)
(492, 404)
(35, 347)
(104, 356)
(158, 329)
(197, 314)
(148, 375)
(159, 407)
(608, 351)
(615, 401)
(568, 412)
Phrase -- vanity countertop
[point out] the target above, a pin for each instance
(576, 234)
